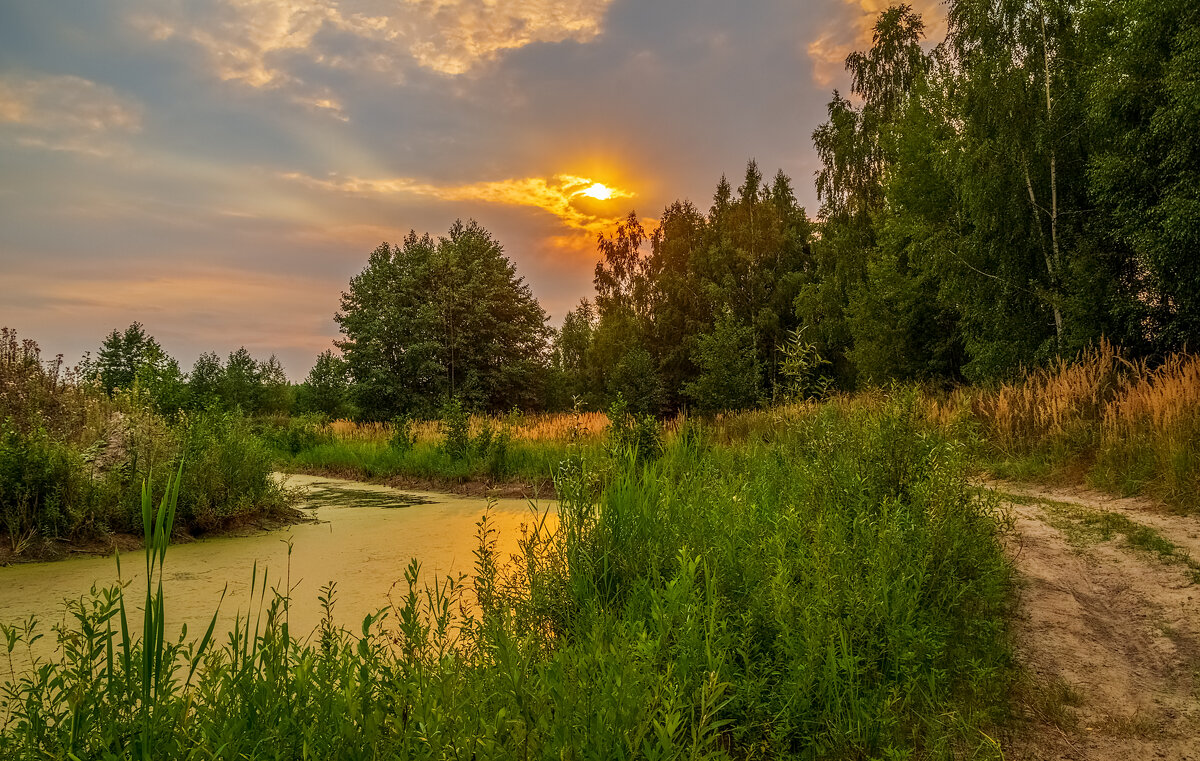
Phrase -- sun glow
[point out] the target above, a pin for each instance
(596, 190)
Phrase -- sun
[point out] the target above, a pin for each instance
(598, 191)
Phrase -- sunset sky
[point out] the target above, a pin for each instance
(219, 169)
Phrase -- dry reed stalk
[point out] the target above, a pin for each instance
(1159, 400)
(561, 427)
(1050, 402)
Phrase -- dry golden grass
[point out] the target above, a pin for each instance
(556, 427)
(1057, 401)
(1161, 399)
(1131, 428)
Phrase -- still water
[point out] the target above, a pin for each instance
(364, 538)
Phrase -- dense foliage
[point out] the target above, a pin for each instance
(1022, 189)
(429, 320)
(72, 457)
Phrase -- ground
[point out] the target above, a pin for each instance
(1107, 627)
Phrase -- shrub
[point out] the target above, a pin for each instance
(297, 434)
(638, 437)
(44, 489)
(403, 437)
(456, 429)
(227, 471)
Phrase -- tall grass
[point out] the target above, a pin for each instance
(510, 449)
(838, 592)
(1123, 425)
(522, 427)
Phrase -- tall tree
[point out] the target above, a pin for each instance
(241, 383)
(204, 382)
(1143, 104)
(857, 149)
(428, 320)
(325, 388)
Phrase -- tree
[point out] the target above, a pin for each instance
(241, 383)
(122, 355)
(204, 382)
(430, 320)
(729, 373)
(857, 149)
(275, 392)
(1143, 103)
(325, 388)
(163, 381)
(573, 360)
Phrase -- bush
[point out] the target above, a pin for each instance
(638, 437)
(44, 489)
(296, 434)
(403, 437)
(227, 472)
(456, 427)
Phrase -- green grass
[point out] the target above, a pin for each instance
(517, 462)
(839, 592)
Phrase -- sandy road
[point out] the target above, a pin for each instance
(1108, 633)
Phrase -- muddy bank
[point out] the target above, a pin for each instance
(51, 550)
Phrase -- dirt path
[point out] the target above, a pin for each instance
(1107, 628)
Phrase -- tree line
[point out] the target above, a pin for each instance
(1027, 186)
(1023, 188)
(132, 360)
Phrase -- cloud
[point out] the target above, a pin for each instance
(65, 113)
(264, 44)
(853, 28)
(560, 196)
(453, 36)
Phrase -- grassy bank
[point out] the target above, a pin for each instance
(1119, 426)
(518, 453)
(837, 592)
(72, 460)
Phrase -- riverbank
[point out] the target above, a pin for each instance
(360, 536)
(56, 549)
(542, 488)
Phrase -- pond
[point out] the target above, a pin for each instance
(364, 538)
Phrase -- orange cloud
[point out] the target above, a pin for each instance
(250, 41)
(66, 113)
(558, 196)
(853, 30)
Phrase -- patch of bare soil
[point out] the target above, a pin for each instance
(1109, 635)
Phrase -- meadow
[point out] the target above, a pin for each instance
(818, 579)
(839, 591)
(1097, 418)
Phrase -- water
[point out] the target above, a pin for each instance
(366, 536)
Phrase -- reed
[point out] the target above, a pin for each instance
(531, 427)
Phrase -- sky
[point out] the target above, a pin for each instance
(218, 170)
